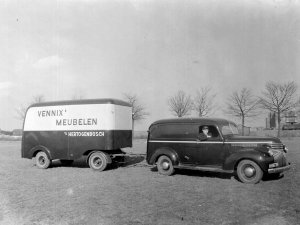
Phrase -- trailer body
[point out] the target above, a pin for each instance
(68, 130)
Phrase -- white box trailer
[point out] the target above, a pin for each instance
(68, 130)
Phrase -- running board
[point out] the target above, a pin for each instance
(203, 168)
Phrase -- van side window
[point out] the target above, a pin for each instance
(211, 133)
(174, 131)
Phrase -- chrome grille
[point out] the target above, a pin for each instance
(277, 146)
(280, 159)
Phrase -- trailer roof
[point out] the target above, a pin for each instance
(83, 102)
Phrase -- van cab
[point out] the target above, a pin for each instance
(184, 143)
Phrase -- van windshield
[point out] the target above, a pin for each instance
(230, 129)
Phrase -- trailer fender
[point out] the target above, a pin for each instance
(39, 148)
(109, 160)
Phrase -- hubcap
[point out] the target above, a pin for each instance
(249, 171)
(97, 162)
(42, 160)
(165, 165)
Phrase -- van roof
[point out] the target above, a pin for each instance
(83, 102)
(193, 120)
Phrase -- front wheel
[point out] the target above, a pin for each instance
(165, 165)
(98, 161)
(249, 172)
(42, 160)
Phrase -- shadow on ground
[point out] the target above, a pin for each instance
(133, 159)
(128, 161)
(270, 177)
(198, 173)
(80, 163)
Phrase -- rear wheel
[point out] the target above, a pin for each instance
(249, 172)
(42, 160)
(165, 165)
(98, 161)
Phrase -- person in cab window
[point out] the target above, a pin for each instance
(205, 134)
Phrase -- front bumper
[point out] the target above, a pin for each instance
(279, 169)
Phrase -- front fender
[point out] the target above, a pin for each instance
(164, 151)
(258, 157)
(39, 148)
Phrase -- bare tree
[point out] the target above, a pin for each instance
(204, 102)
(279, 98)
(180, 104)
(21, 111)
(138, 110)
(243, 104)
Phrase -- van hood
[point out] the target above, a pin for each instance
(236, 138)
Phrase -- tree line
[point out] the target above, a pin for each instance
(278, 98)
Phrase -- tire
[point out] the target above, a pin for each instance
(249, 172)
(66, 162)
(165, 166)
(98, 161)
(42, 160)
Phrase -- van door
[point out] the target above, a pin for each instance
(212, 149)
(212, 153)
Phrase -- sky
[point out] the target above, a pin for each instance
(151, 48)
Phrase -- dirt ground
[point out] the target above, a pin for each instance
(136, 194)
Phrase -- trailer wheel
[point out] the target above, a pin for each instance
(42, 160)
(98, 161)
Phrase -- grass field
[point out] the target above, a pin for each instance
(136, 194)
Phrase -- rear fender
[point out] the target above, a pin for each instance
(164, 151)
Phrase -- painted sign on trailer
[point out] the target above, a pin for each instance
(70, 129)
(82, 117)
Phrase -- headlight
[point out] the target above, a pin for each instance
(285, 149)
